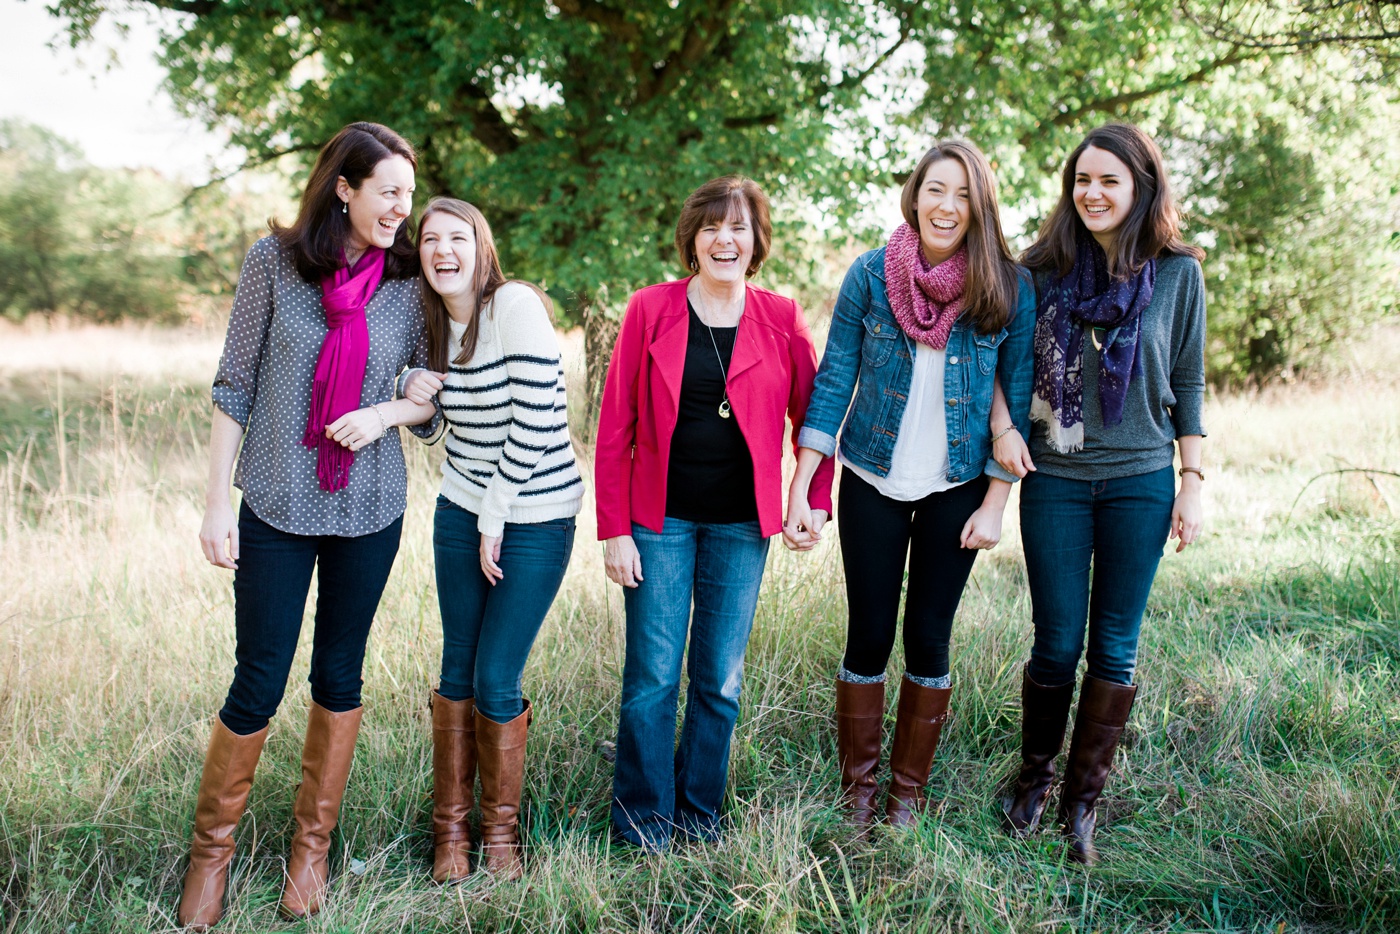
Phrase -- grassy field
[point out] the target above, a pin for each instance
(1256, 788)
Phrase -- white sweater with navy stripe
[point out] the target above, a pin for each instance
(509, 456)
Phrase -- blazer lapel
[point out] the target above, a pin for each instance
(668, 345)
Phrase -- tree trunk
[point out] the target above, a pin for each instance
(599, 335)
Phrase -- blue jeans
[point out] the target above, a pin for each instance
(657, 786)
(1119, 527)
(269, 600)
(487, 631)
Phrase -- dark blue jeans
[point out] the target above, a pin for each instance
(1116, 526)
(269, 597)
(657, 785)
(487, 631)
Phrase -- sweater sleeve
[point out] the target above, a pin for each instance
(1188, 376)
(427, 431)
(236, 383)
(538, 408)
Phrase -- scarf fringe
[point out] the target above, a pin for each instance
(1064, 440)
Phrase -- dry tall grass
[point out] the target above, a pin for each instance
(1256, 789)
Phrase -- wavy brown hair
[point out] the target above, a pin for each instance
(989, 295)
(487, 279)
(1153, 226)
(717, 200)
(318, 236)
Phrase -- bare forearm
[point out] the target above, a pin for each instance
(998, 491)
(808, 461)
(405, 412)
(225, 436)
(1189, 447)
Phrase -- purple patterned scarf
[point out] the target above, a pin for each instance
(340, 368)
(925, 299)
(1086, 297)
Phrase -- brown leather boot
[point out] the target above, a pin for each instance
(917, 729)
(860, 721)
(325, 767)
(223, 792)
(1044, 714)
(454, 774)
(1103, 711)
(500, 756)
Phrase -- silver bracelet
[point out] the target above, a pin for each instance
(383, 425)
(1000, 434)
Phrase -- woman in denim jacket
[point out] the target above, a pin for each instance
(921, 330)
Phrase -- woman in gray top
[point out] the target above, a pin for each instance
(1119, 376)
(327, 313)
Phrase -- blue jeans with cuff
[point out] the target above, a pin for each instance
(1117, 527)
(659, 786)
(488, 631)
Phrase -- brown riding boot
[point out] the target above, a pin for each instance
(223, 792)
(860, 720)
(500, 757)
(1044, 714)
(325, 767)
(454, 774)
(917, 729)
(1103, 711)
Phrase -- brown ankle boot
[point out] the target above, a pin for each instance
(1103, 711)
(1044, 714)
(500, 756)
(223, 792)
(917, 729)
(325, 767)
(860, 720)
(454, 774)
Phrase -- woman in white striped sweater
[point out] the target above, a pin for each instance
(504, 525)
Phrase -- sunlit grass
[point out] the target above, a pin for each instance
(1256, 787)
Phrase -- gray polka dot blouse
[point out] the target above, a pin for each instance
(275, 332)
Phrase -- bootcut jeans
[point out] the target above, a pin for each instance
(1092, 549)
(659, 786)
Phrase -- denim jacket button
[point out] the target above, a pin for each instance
(953, 361)
(952, 401)
(953, 443)
(877, 329)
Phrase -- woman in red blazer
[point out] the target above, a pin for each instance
(689, 490)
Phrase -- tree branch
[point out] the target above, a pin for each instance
(698, 41)
(906, 29)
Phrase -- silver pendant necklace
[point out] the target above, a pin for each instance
(725, 410)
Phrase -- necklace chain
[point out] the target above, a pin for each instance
(725, 410)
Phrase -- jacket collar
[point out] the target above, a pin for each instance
(668, 345)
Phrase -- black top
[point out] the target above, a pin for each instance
(710, 476)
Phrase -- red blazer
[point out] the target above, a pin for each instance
(770, 375)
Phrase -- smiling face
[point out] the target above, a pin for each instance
(380, 205)
(1103, 193)
(447, 250)
(724, 248)
(943, 209)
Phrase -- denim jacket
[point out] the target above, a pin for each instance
(868, 355)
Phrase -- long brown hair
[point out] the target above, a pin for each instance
(318, 236)
(1153, 226)
(487, 279)
(989, 294)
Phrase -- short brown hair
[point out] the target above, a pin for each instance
(992, 285)
(717, 200)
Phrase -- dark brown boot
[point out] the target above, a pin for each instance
(454, 774)
(325, 767)
(500, 756)
(860, 720)
(917, 729)
(1103, 711)
(223, 793)
(1044, 714)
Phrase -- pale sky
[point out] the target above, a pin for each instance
(118, 115)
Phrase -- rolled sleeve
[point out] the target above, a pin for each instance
(236, 382)
(817, 440)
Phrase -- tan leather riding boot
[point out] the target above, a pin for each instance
(1103, 712)
(500, 756)
(454, 774)
(917, 729)
(325, 767)
(860, 720)
(223, 793)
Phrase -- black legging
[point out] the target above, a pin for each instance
(876, 535)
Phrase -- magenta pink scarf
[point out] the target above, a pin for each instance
(340, 369)
(926, 300)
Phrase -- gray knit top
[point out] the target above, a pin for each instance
(1165, 393)
(275, 333)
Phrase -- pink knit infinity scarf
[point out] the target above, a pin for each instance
(340, 369)
(925, 300)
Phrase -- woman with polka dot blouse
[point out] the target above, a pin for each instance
(327, 313)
